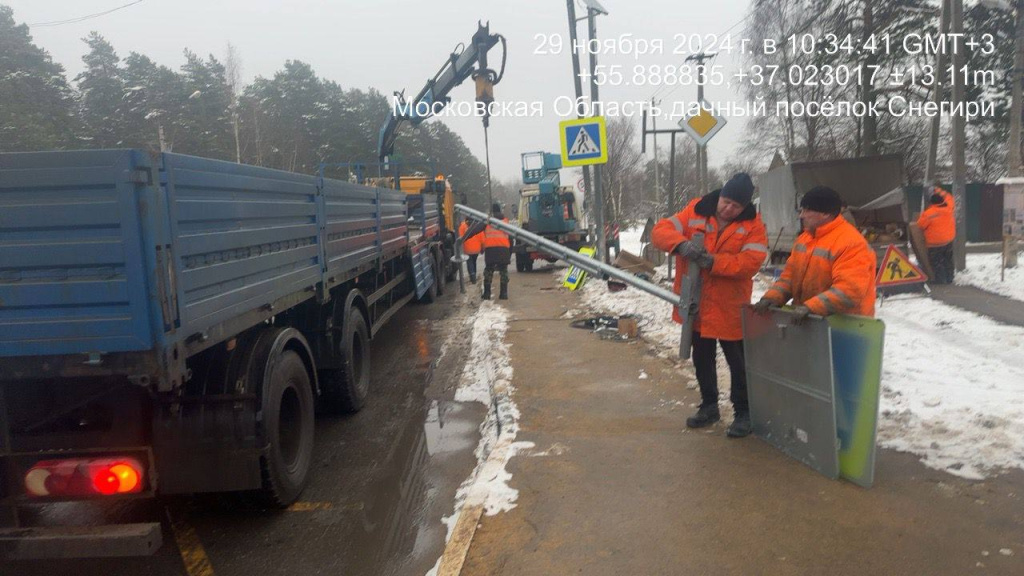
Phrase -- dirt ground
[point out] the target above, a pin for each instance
(618, 485)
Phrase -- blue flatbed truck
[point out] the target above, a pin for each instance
(170, 324)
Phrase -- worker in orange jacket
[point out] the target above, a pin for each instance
(734, 247)
(471, 248)
(497, 248)
(831, 269)
(938, 222)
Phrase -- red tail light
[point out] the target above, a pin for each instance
(81, 477)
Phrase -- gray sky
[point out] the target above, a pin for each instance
(398, 44)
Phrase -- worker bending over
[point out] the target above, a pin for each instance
(497, 252)
(938, 222)
(733, 250)
(831, 269)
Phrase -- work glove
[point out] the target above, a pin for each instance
(705, 260)
(800, 314)
(690, 249)
(762, 306)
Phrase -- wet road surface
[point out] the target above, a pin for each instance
(381, 481)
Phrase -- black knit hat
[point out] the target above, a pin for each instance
(739, 188)
(495, 209)
(937, 199)
(822, 199)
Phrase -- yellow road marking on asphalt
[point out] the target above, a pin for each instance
(193, 555)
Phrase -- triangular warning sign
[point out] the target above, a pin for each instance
(583, 145)
(896, 269)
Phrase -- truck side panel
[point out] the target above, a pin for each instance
(72, 265)
(243, 237)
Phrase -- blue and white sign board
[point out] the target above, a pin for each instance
(584, 141)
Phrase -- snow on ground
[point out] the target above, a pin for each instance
(983, 271)
(951, 383)
(487, 378)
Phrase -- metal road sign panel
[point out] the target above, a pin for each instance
(857, 343)
(584, 141)
(790, 386)
(703, 126)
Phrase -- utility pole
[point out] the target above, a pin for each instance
(593, 9)
(702, 151)
(959, 138)
(936, 123)
(870, 135)
(671, 164)
(1013, 157)
(588, 191)
(654, 138)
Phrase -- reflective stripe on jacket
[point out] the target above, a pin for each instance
(472, 246)
(739, 248)
(938, 224)
(494, 238)
(830, 272)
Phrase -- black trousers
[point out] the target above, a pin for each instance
(704, 351)
(941, 258)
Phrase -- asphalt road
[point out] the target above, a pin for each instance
(382, 479)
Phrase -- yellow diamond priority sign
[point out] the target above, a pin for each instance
(702, 126)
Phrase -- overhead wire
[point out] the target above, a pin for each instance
(78, 19)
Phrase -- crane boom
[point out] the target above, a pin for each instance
(465, 61)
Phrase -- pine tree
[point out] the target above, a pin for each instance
(36, 104)
(101, 89)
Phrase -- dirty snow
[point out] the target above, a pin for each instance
(983, 271)
(487, 378)
(952, 380)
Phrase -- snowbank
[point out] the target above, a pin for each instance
(983, 271)
(952, 380)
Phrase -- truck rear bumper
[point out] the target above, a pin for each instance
(112, 541)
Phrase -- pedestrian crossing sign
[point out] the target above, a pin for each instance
(584, 141)
(897, 269)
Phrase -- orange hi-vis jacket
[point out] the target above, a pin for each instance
(938, 221)
(494, 238)
(472, 246)
(739, 248)
(831, 272)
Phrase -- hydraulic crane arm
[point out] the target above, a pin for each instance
(465, 61)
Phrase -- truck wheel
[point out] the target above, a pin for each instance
(431, 294)
(344, 391)
(288, 429)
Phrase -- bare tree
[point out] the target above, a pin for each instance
(233, 74)
(622, 177)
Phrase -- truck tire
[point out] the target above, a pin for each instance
(287, 422)
(344, 391)
(431, 294)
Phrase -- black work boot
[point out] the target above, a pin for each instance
(503, 294)
(705, 416)
(740, 426)
(472, 278)
(487, 292)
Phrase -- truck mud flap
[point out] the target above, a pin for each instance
(207, 445)
(110, 541)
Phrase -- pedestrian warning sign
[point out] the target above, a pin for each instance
(897, 269)
(584, 141)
